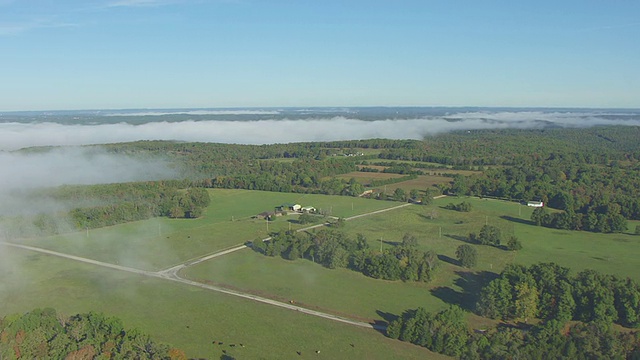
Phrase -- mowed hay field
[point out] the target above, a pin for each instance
(159, 243)
(349, 293)
(186, 317)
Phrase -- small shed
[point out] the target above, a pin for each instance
(266, 215)
(308, 209)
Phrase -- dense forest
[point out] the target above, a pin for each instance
(522, 294)
(46, 334)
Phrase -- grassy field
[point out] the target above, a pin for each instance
(335, 290)
(186, 317)
(421, 182)
(192, 318)
(160, 243)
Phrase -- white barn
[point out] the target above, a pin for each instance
(535, 203)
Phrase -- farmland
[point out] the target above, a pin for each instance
(74, 287)
(191, 303)
(333, 290)
(159, 243)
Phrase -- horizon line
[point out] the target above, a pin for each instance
(326, 107)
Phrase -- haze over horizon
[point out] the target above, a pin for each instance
(169, 54)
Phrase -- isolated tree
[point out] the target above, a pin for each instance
(489, 235)
(514, 244)
(467, 255)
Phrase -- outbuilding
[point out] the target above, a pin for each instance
(308, 209)
(535, 203)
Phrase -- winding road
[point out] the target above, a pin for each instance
(172, 273)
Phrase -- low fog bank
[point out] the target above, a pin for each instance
(26, 171)
(19, 135)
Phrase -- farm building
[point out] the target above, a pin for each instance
(535, 203)
(288, 206)
(308, 209)
(266, 215)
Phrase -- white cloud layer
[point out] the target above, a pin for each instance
(195, 112)
(19, 135)
(26, 171)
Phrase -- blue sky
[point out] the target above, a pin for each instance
(110, 54)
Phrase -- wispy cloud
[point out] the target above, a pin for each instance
(14, 28)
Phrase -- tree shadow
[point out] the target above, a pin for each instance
(381, 325)
(517, 220)
(392, 243)
(459, 238)
(426, 217)
(449, 260)
(470, 283)
(388, 317)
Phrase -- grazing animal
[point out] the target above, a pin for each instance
(299, 352)
(352, 345)
(232, 345)
(317, 351)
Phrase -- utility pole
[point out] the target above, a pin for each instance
(440, 232)
(486, 220)
(381, 244)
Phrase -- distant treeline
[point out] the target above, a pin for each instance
(110, 204)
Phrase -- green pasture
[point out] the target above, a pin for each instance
(614, 254)
(349, 293)
(192, 318)
(162, 242)
(340, 291)
(186, 317)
